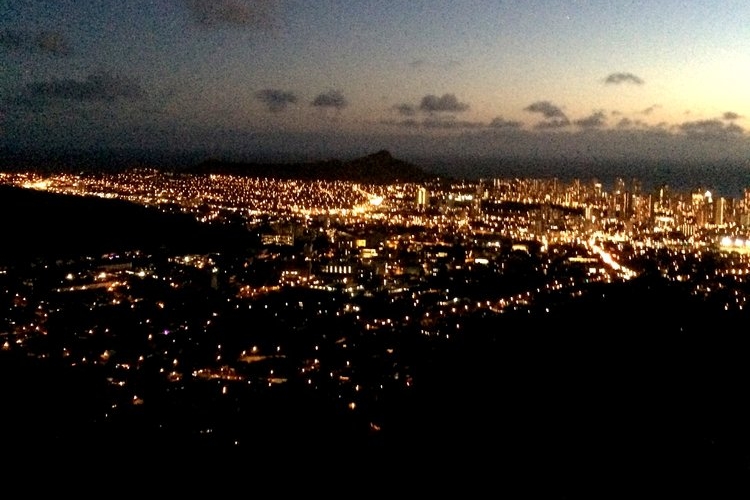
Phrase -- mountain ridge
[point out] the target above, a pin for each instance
(376, 168)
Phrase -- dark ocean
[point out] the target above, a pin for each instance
(726, 179)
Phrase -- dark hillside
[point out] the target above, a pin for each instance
(637, 386)
(41, 224)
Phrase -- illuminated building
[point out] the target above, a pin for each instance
(422, 198)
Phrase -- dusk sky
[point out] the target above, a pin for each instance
(623, 79)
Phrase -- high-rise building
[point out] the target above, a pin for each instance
(422, 198)
(719, 210)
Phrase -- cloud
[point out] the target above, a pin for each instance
(595, 120)
(405, 109)
(449, 122)
(650, 109)
(51, 42)
(435, 122)
(731, 115)
(448, 102)
(501, 123)
(711, 129)
(625, 123)
(547, 109)
(551, 124)
(330, 99)
(252, 13)
(276, 100)
(554, 115)
(101, 86)
(418, 63)
(618, 78)
(407, 123)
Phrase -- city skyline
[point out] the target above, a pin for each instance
(531, 80)
(226, 313)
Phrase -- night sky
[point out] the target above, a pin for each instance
(532, 78)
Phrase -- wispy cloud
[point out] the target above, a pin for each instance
(447, 102)
(552, 124)
(248, 13)
(102, 86)
(625, 123)
(405, 109)
(276, 100)
(436, 121)
(449, 122)
(501, 123)
(51, 42)
(595, 120)
(546, 109)
(407, 123)
(618, 78)
(555, 118)
(330, 99)
(711, 129)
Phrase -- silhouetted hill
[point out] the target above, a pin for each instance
(643, 381)
(376, 168)
(42, 224)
